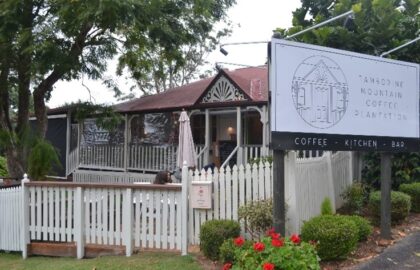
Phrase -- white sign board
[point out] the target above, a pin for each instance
(201, 192)
(325, 98)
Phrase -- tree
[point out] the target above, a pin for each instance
(44, 41)
(376, 27)
(165, 73)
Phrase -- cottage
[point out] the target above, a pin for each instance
(229, 121)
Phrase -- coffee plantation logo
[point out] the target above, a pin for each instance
(320, 92)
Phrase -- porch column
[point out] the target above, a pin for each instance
(126, 143)
(68, 134)
(207, 137)
(239, 156)
(79, 139)
(264, 121)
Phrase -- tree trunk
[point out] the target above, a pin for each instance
(15, 165)
(40, 113)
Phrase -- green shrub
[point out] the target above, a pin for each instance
(213, 233)
(226, 251)
(413, 190)
(326, 207)
(363, 226)
(336, 235)
(257, 216)
(354, 197)
(3, 167)
(228, 248)
(42, 159)
(400, 206)
(405, 169)
(274, 252)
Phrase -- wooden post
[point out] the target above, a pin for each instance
(68, 134)
(79, 222)
(386, 195)
(278, 192)
(25, 217)
(264, 120)
(184, 210)
(128, 222)
(126, 143)
(207, 138)
(239, 155)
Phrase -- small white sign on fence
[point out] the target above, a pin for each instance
(201, 194)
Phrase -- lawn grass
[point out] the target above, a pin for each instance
(146, 261)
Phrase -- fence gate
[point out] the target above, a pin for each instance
(10, 219)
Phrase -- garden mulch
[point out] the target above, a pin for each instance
(366, 251)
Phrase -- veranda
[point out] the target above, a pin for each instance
(228, 115)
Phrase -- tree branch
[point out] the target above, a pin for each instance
(58, 72)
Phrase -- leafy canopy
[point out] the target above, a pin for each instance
(376, 26)
(44, 41)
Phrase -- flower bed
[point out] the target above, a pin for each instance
(271, 252)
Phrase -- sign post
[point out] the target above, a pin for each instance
(386, 166)
(279, 205)
(329, 99)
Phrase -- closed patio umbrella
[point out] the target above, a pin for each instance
(186, 150)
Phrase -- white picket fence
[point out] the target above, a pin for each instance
(308, 181)
(134, 216)
(232, 188)
(10, 219)
(159, 217)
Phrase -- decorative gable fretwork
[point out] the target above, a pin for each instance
(223, 90)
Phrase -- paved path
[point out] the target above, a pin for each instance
(403, 255)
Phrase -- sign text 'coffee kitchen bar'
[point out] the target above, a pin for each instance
(329, 99)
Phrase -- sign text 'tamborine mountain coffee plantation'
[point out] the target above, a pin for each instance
(330, 99)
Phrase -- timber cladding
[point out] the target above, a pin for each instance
(69, 250)
(52, 249)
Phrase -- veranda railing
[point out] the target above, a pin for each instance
(150, 158)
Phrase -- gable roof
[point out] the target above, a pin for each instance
(188, 96)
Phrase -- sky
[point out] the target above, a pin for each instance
(252, 21)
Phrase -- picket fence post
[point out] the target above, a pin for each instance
(25, 217)
(184, 210)
(290, 180)
(328, 156)
(79, 215)
(128, 222)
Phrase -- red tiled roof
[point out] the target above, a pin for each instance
(187, 96)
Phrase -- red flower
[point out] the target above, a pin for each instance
(239, 241)
(227, 266)
(270, 232)
(275, 236)
(259, 246)
(295, 238)
(268, 266)
(277, 242)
